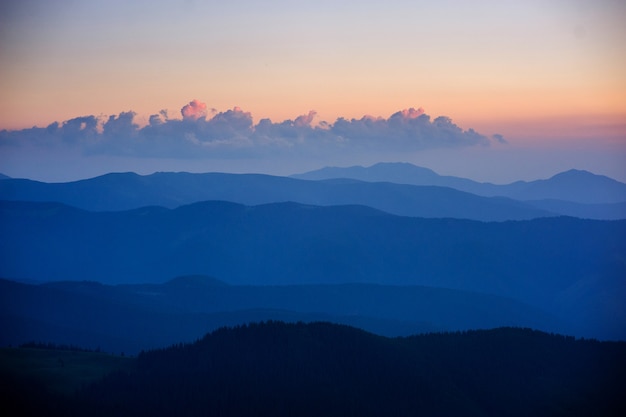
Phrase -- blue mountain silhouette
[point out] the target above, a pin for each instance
(568, 267)
(127, 191)
(576, 186)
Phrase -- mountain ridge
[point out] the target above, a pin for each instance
(568, 271)
(314, 369)
(114, 192)
(574, 185)
(122, 317)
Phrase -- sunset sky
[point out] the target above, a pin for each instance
(541, 83)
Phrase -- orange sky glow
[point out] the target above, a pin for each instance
(536, 72)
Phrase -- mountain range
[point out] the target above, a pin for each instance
(436, 197)
(130, 318)
(575, 186)
(569, 268)
(91, 263)
(128, 191)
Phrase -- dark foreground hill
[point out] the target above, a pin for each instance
(129, 318)
(568, 267)
(277, 369)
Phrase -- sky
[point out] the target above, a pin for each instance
(490, 90)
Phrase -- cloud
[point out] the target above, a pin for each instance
(233, 134)
(406, 130)
(408, 114)
(120, 125)
(305, 119)
(194, 110)
(158, 119)
(231, 123)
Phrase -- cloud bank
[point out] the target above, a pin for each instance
(234, 134)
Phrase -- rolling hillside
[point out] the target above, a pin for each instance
(568, 267)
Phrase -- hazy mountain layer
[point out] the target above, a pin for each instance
(129, 318)
(574, 185)
(129, 191)
(568, 267)
(609, 211)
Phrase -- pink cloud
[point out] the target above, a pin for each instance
(411, 113)
(194, 110)
(370, 118)
(305, 119)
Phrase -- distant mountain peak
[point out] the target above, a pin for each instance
(574, 185)
(405, 166)
(399, 164)
(578, 174)
(398, 172)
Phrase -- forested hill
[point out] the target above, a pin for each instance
(277, 369)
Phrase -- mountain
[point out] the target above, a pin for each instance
(4, 177)
(609, 211)
(129, 318)
(571, 268)
(315, 369)
(573, 185)
(397, 172)
(128, 191)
